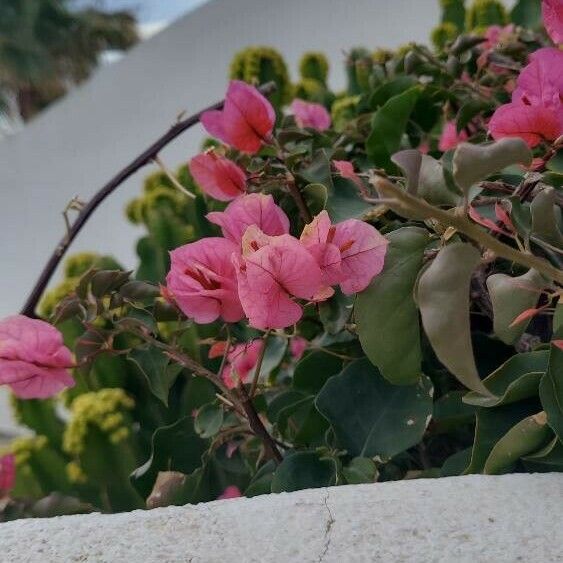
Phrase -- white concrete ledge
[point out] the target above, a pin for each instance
(475, 519)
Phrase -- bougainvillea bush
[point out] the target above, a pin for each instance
(342, 287)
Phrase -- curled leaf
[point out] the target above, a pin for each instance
(443, 300)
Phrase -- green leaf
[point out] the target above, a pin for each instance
(316, 197)
(371, 417)
(106, 281)
(209, 420)
(342, 195)
(527, 13)
(360, 470)
(335, 312)
(344, 200)
(443, 299)
(425, 177)
(450, 412)
(491, 426)
(472, 163)
(518, 378)
(510, 296)
(303, 470)
(390, 89)
(261, 483)
(523, 438)
(154, 364)
(388, 127)
(276, 347)
(547, 459)
(455, 465)
(546, 217)
(386, 314)
(173, 448)
(313, 370)
(469, 110)
(558, 319)
(551, 390)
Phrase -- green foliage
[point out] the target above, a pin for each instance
(483, 13)
(314, 66)
(443, 34)
(425, 372)
(453, 12)
(258, 65)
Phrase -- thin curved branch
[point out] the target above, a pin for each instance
(144, 158)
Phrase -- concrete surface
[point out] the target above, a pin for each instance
(470, 519)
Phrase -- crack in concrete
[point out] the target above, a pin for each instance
(328, 529)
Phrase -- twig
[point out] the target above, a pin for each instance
(144, 158)
(258, 366)
(257, 427)
(409, 203)
(158, 161)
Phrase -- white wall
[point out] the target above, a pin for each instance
(79, 143)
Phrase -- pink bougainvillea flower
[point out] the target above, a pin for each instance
(297, 346)
(558, 343)
(202, 280)
(252, 209)
(232, 491)
(346, 170)
(7, 473)
(309, 114)
(246, 120)
(450, 138)
(541, 80)
(218, 176)
(350, 253)
(34, 362)
(536, 111)
(497, 35)
(241, 361)
(271, 272)
(533, 124)
(552, 11)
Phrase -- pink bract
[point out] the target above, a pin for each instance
(232, 491)
(552, 11)
(350, 253)
(7, 473)
(346, 170)
(217, 176)
(241, 361)
(533, 124)
(309, 114)
(252, 209)
(246, 120)
(34, 362)
(450, 138)
(271, 272)
(202, 280)
(536, 111)
(297, 346)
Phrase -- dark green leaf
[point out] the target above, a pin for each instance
(360, 470)
(155, 365)
(551, 390)
(313, 370)
(388, 127)
(303, 470)
(510, 296)
(371, 417)
(386, 313)
(209, 420)
(522, 439)
(546, 218)
(518, 378)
